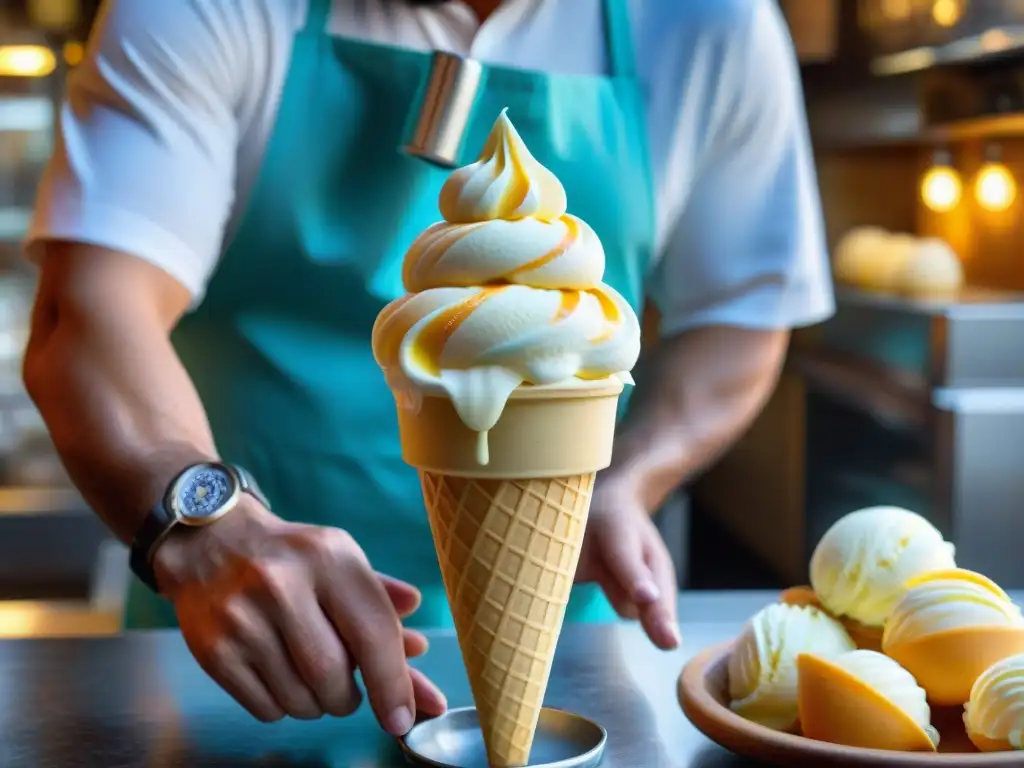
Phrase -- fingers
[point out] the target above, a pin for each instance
(318, 653)
(261, 646)
(226, 665)
(359, 606)
(641, 568)
(659, 618)
(429, 699)
(416, 643)
(620, 600)
(623, 554)
(405, 597)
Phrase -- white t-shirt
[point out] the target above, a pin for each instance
(166, 123)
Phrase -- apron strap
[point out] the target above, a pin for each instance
(619, 34)
(317, 15)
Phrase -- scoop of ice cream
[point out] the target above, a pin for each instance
(932, 267)
(889, 264)
(762, 667)
(994, 716)
(506, 291)
(861, 564)
(942, 600)
(856, 253)
(893, 682)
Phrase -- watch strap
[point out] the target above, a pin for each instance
(154, 527)
(248, 484)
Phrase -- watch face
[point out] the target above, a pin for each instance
(205, 492)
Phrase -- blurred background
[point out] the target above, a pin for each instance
(912, 395)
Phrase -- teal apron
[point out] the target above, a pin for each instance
(280, 349)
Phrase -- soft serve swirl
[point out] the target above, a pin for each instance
(505, 291)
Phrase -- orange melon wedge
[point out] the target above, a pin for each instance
(947, 664)
(838, 708)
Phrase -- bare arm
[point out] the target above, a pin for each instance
(696, 394)
(100, 367)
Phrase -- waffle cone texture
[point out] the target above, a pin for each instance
(508, 551)
(508, 535)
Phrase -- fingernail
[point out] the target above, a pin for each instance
(673, 630)
(646, 591)
(400, 722)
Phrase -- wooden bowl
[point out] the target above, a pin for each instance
(704, 694)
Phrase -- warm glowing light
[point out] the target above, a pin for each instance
(74, 53)
(941, 188)
(947, 13)
(26, 61)
(995, 188)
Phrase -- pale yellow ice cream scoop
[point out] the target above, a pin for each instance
(994, 716)
(762, 667)
(948, 628)
(933, 270)
(857, 253)
(861, 565)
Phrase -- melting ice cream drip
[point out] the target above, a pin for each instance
(506, 291)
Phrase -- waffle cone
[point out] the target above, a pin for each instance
(508, 534)
(508, 551)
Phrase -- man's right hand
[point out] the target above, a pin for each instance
(281, 614)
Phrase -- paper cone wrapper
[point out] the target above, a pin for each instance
(541, 433)
(508, 538)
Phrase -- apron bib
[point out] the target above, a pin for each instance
(279, 350)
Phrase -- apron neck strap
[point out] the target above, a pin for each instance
(317, 16)
(619, 34)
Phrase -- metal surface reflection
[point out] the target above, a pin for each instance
(140, 701)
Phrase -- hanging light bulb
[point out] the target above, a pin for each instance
(995, 187)
(941, 188)
(947, 13)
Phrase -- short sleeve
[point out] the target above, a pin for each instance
(748, 248)
(147, 142)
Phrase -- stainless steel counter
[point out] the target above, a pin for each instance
(140, 701)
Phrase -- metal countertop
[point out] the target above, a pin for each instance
(140, 701)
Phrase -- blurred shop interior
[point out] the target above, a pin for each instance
(912, 395)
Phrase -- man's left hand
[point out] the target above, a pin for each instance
(624, 553)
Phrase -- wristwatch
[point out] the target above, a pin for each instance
(198, 496)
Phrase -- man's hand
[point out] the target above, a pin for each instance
(624, 553)
(282, 614)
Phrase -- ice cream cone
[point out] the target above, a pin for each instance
(508, 537)
(507, 357)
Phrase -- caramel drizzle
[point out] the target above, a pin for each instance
(504, 153)
(432, 339)
(612, 314)
(431, 246)
(572, 231)
(390, 337)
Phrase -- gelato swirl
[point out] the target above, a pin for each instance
(995, 712)
(506, 291)
(943, 600)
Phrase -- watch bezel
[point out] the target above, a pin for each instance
(174, 504)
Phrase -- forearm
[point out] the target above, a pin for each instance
(121, 410)
(696, 393)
